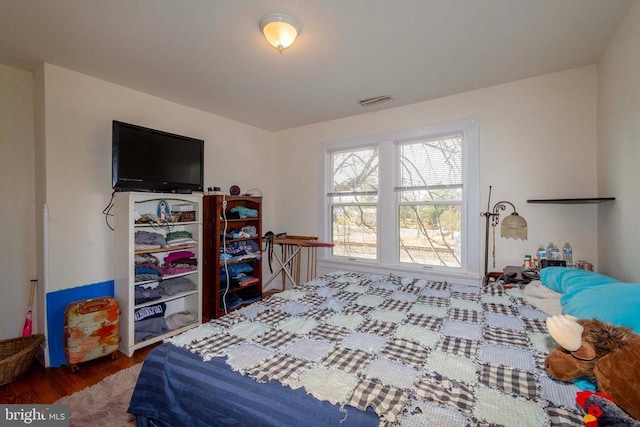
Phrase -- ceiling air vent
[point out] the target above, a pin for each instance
(376, 100)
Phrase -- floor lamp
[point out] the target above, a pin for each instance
(514, 226)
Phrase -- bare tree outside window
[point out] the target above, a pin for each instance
(429, 184)
(354, 199)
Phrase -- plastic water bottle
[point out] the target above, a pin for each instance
(567, 254)
(550, 250)
(553, 252)
(541, 253)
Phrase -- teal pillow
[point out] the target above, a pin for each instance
(567, 280)
(551, 277)
(617, 303)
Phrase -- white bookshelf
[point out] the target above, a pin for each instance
(126, 203)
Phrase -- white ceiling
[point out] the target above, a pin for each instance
(210, 54)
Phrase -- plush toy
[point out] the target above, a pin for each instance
(600, 351)
(601, 411)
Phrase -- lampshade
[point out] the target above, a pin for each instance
(280, 30)
(514, 226)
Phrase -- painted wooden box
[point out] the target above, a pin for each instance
(91, 330)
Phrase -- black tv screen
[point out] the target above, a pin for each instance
(151, 160)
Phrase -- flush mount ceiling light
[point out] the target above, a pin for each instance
(280, 29)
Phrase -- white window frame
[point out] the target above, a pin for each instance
(386, 262)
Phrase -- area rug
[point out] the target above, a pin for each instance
(105, 403)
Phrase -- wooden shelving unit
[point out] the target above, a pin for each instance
(218, 219)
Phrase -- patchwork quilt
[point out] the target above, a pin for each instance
(418, 352)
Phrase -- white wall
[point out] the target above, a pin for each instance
(78, 114)
(619, 150)
(17, 191)
(537, 140)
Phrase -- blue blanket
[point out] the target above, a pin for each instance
(175, 388)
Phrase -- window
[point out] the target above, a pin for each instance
(429, 192)
(353, 198)
(401, 200)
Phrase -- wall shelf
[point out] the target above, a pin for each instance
(574, 201)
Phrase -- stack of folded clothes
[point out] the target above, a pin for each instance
(149, 240)
(180, 262)
(180, 319)
(175, 285)
(238, 273)
(147, 292)
(180, 238)
(149, 322)
(147, 267)
(246, 232)
(244, 249)
(242, 212)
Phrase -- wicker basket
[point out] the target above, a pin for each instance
(187, 216)
(16, 356)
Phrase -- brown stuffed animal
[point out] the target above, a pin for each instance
(601, 351)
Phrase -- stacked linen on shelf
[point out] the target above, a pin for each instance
(236, 273)
(147, 267)
(238, 251)
(180, 319)
(149, 240)
(246, 232)
(180, 238)
(149, 322)
(242, 212)
(176, 285)
(147, 292)
(180, 262)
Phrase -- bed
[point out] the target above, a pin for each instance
(355, 349)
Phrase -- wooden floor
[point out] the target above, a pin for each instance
(46, 385)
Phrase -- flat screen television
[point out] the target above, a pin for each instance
(151, 160)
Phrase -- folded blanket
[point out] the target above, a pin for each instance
(176, 285)
(146, 259)
(543, 298)
(181, 242)
(149, 328)
(149, 238)
(143, 277)
(145, 294)
(178, 255)
(148, 268)
(183, 318)
(178, 235)
(183, 262)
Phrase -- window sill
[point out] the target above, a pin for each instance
(401, 270)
